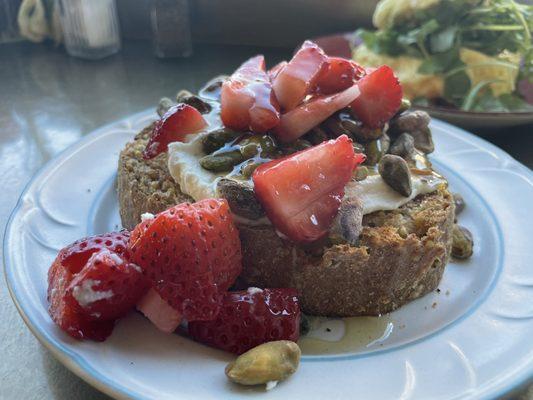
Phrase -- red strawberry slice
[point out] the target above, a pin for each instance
(274, 71)
(247, 100)
(250, 318)
(339, 75)
(191, 253)
(302, 193)
(75, 256)
(107, 287)
(296, 79)
(72, 264)
(65, 315)
(381, 97)
(178, 122)
(302, 119)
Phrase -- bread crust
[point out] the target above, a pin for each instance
(401, 254)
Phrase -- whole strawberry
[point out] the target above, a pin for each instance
(191, 253)
(250, 318)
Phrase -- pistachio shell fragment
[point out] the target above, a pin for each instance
(241, 198)
(268, 362)
(462, 242)
(395, 172)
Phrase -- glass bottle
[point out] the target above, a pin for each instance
(90, 28)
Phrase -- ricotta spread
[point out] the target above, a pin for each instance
(377, 195)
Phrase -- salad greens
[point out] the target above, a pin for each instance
(437, 34)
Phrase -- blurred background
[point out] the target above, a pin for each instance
(68, 67)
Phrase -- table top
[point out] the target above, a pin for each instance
(48, 100)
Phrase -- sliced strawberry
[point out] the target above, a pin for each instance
(191, 253)
(75, 256)
(296, 79)
(178, 122)
(302, 119)
(302, 193)
(107, 287)
(247, 100)
(69, 265)
(274, 71)
(381, 97)
(339, 75)
(159, 312)
(250, 318)
(65, 315)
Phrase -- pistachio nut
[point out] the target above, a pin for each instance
(403, 146)
(416, 123)
(317, 135)
(459, 202)
(241, 198)
(184, 96)
(360, 173)
(348, 223)
(222, 161)
(376, 149)
(462, 242)
(395, 172)
(268, 362)
(164, 104)
(216, 139)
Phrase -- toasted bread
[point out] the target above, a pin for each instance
(400, 256)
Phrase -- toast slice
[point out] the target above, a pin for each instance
(400, 256)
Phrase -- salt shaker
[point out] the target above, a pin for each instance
(90, 28)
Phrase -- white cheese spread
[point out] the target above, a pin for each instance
(377, 195)
(184, 166)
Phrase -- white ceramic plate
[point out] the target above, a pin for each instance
(471, 340)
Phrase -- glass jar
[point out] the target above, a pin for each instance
(90, 28)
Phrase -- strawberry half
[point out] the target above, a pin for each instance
(250, 318)
(247, 100)
(302, 193)
(179, 121)
(380, 99)
(303, 118)
(296, 79)
(339, 75)
(90, 284)
(191, 253)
